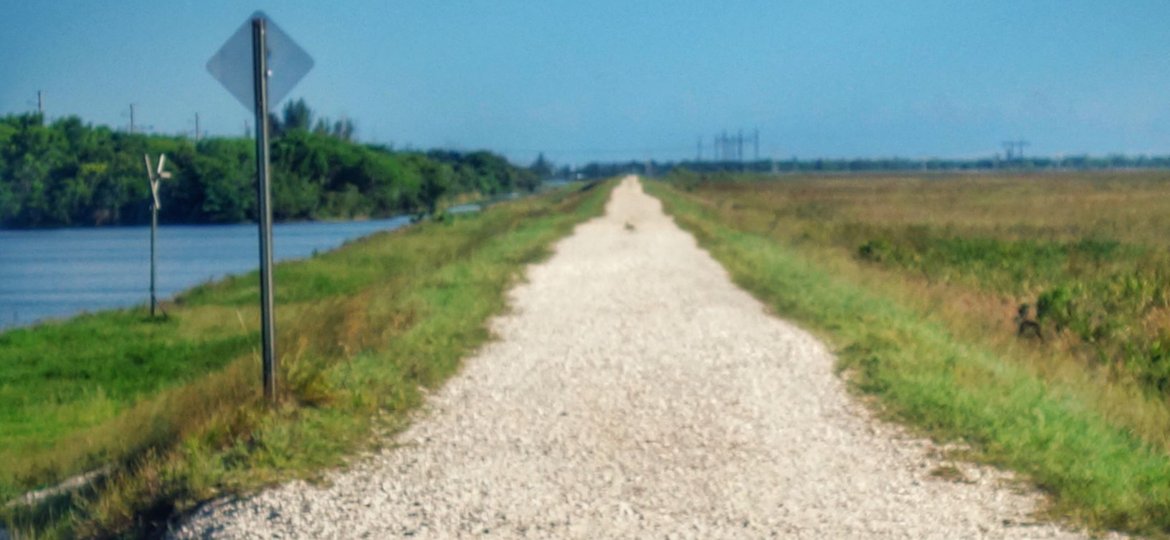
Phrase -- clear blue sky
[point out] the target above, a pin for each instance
(617, 79)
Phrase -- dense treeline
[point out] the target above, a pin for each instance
(72, 174)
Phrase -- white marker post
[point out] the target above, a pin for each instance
(154, 176)
(273, 65)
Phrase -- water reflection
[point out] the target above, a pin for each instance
(62, 272)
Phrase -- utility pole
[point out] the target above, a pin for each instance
(739, 149)
(132, 118)
(197, 133)
(1014, 149)
(41, 103)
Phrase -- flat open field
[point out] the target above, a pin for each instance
(1085, 251)
(919, 282)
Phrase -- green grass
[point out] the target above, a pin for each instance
(1085, 252)
(57, 378)
(175, 405)
(901, 337)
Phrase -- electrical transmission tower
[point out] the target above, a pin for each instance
(730, 147)
(1014, 149)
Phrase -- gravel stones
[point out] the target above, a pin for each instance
(635, 392)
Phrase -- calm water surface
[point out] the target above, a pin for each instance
(62, 272)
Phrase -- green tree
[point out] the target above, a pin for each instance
(542, 168)
(71, 173)
(297, 115)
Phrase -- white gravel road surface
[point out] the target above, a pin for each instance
(635, 392)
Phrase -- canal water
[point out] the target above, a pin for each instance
(57, 273)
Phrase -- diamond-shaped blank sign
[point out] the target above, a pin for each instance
(232, 64)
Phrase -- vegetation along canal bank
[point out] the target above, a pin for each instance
(919, 282)
(170, 409)
(66, 173)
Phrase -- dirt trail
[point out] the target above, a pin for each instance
(635, 392)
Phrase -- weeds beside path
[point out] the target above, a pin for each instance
(939, 379)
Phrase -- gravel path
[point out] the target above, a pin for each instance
(635, 392)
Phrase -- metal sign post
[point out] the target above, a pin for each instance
(264, 196)
(154, 176)
(275, 64)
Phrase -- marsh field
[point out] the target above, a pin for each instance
(922, 283)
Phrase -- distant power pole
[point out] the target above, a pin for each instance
(131, 118)
(197, 133)
(1014, 149)
(41, 103)
(726, 147)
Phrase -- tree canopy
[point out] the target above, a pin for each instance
(68, 173)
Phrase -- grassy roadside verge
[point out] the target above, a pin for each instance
(952, 386)
(360, 331)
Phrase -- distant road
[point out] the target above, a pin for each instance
(635, 392)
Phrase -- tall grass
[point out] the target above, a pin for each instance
(360, 330)
(915, 282)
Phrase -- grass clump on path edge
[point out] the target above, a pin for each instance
(954, 390)
(354, 362)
